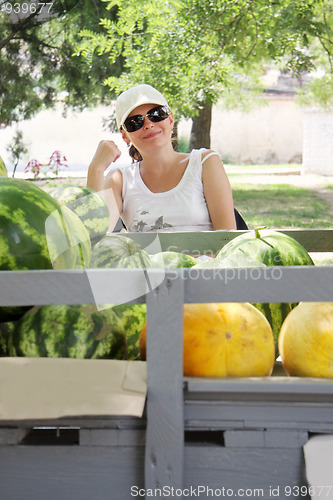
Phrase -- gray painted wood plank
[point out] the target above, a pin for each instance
(210, 242)
(70, 472)
(112, 437)
(12, 436)
(164, 460)
(73, 286)
(265, 284)
(264, 438)
(237, 414)
(112, 422)
(262, 473)
(268, 388)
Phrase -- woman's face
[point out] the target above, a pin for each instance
(151, 133)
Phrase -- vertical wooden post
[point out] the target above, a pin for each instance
(164, 458)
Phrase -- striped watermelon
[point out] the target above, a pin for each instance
(172, 260)
(75, 331)
(271, 248)
(88, 205)
(132, 318)
(3, 170)
(36, 233)
(119, 251)
(268, 248)
(6, 330)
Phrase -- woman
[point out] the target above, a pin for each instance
(163, 190)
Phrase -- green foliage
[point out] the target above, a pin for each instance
(37, 64)
(17, 149)
(194, 51)
(318, 91)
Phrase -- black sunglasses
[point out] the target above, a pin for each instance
(157, 114)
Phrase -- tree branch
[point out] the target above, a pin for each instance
(255, 40)
(18, 27)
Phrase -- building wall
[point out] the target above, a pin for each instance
(269, 134)
(318, 142)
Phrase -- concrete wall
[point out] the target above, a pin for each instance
(269, 134)
(318, 142)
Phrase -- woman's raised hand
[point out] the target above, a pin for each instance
(106, 153)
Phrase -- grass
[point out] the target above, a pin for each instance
(273, 205)
(287, 167)
(281, 206)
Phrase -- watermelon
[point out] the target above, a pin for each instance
(78, 331)
(6, 330)
(36, 233)
(3, 170)
(88, 205)
(118, 251)
(61, 331)
(269, 248)
(172, 260)
(133, 318)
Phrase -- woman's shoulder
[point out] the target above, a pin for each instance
(120, 171)
(202, 154)
(114, 178)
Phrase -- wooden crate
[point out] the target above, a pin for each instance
(198, 436)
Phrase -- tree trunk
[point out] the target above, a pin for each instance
(200, 132)
(175, 136)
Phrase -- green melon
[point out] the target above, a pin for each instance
(269, 248)
(36, 233)
(117, 251)
(172, 260)
(88, 205)
(74, 331)
(133, 318)
(77, 331)
(6, 330)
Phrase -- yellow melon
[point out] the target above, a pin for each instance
(226, 339)
(306, 340)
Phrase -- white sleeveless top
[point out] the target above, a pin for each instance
(182, 208)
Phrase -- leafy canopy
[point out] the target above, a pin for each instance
(36, 57)
(196, 50)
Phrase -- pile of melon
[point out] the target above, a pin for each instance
(60, 230)
(68, 229)
(237, 339)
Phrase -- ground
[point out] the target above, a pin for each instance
(310, 181)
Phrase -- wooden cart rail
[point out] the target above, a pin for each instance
(273, 413)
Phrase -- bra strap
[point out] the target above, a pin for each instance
(208, 156)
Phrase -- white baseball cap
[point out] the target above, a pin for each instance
(134, 97)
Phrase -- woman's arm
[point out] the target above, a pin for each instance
(218, 194)
(109, 187)
(106, 153)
